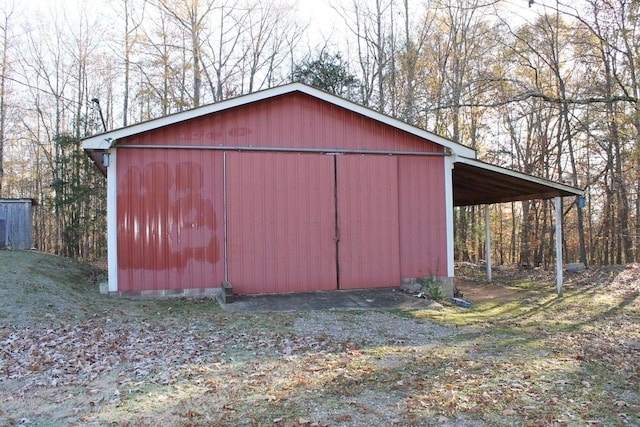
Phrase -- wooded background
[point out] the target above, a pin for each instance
(542, 87)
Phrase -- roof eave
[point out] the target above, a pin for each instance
(96, 155)
(569, 190)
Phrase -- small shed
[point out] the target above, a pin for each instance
(290, 189)
(16, 223)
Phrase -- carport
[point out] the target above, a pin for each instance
(479, 183)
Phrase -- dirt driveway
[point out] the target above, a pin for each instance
(484, 292)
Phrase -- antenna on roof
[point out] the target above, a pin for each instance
(97, 102)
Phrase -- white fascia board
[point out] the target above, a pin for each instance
(104, 141)
(520, 175)
(5, 201)
(98, 142)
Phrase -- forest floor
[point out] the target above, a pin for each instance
(518, 356)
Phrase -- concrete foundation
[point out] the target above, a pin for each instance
(199, 293)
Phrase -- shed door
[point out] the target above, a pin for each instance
(280, 222)
(367, 199)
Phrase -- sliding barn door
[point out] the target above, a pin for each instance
(280, 222)
(367, 207)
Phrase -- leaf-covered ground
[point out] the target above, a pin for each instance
(69, 356)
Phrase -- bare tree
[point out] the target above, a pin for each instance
(223, 46)
(132, 24)
(369, 24)
(612, 24)
(414, 41)
(160, 80)
(266, 28)
(192, 16)
(4, 74)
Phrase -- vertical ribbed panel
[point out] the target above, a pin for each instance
(423, 236)
(368, 221)
(294, 120)
(170, 210)
(280, 210)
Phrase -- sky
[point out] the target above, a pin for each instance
(321, 16)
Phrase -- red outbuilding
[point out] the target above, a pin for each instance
(289, 189)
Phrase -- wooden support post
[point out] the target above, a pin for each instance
(559, 245)
(487, 232)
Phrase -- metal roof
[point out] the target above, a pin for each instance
(480, 183)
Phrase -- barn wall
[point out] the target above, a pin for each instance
(423, 234)
(282, 213)
(170, 219)
(281, 206)
(15, 224)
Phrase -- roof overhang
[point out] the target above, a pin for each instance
(480, 183)
(97, 156)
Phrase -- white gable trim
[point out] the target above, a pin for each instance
(104, 141)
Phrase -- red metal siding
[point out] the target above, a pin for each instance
(423, 235)
(293, 120)
(280, 210)
(170, 210)
(368, 221)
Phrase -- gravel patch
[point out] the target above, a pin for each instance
(370, 328)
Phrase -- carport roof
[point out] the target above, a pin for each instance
(480, 183)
